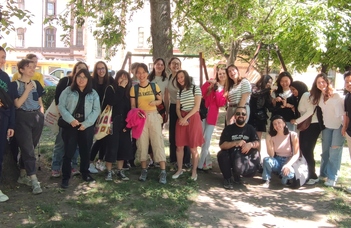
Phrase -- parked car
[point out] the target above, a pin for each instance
(63, 72)
(50, 80)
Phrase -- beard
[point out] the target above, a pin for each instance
(240, 121)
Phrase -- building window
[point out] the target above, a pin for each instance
(50, 37)
(20, 4)
(50, 7)
(140, 37)
(79, 36)
(20, 37)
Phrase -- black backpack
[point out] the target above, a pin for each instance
(5, 99)
(203, 110)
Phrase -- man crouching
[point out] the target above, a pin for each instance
(238, 143)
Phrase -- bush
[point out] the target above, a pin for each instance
(49, 96)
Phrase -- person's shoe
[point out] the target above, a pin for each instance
(176, 175)
(109, 176)
(122, 176)
(55, 173)
(323, 179)
(330, 183)
(265, 184)
(100, 165)
(188, 165)
(24, 180)
(36, 187)
(163, 177)
(193, 178)
(88, 178)
(227, 184)
(312, 181)
(74, 172)
(64, 184)
(92, 168)
(143, 175)
(126, 166)
(3, 197)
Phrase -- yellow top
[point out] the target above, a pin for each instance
(146, 95)
(37, 76)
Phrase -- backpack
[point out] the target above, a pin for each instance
(161, 108)
(203, 110)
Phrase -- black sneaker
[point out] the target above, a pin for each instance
(237, 179)
(121, 175)
(64, 184)
(227, 184)
(88, 178)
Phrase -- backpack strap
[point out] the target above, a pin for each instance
(103, 99)
(18, 84)
(136, 94)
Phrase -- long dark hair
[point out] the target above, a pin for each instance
(74, 71)
(280, 76)
(187, 80)
(272, 132)
(301, 89)
(106, 81)
(230, 82)
(261, 84)
(163, 74)
(89, 87)
(315, 93)
(119, 74)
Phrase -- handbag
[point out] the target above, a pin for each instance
(161, 109)
(5, 99)
(51, 117)
(261, 115)
(301, 169)
(104, 124)
(306, 123)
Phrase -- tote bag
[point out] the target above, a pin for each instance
(51, 117)
(103, 126)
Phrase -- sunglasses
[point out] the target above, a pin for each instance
(240, 114)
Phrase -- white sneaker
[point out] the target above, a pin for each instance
(3, 197)
(312, 181)
(330, 183)
(92, 168)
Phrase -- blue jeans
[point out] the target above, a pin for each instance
(276, 164)
(205, 156)
(332, 145)
(59, 151)
(291, 127)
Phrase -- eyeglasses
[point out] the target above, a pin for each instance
(82, 78)
(101, 69)
(240, 114)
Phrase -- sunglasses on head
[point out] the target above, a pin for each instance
(240, 114)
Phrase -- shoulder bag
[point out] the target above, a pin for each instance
(306, 123)
(104, 124)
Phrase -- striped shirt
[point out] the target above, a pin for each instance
(187, 98)
(236, 92)
(32, 101)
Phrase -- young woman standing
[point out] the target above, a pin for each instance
(188, 126)
(332, 106)
(213, 94)
(29, 120)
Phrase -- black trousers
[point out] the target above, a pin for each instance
(73, 137)
(241, 164)
(308, 139)
(98, 146)
(172, 145)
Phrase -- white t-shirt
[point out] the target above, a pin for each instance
(333, 111)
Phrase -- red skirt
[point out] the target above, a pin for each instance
(190, 135)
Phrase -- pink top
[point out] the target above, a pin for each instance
(213, 102)
(281, 144)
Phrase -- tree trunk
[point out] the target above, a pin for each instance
(161, 29)
(324, 68)
(234, 49)
(10, 171)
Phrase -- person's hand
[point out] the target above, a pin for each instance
(343, 131)
(75, 123)
(141, 115)
(123, 83)
(81, 128)
(153, 103)
(286, 170)
(10, 133)
(28, 86)
(293, 121)
(279, 99)
(246, 148)
(183, 122)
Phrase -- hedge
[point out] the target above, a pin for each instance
(49, 96)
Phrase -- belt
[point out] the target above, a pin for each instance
(22, 110)
(78, 115)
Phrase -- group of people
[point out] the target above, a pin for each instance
(136, 132)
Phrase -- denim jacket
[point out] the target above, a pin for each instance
(68, 101)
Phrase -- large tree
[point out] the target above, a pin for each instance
(307, 32)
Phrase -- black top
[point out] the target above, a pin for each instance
(5, 84)
(233, 132)
(260, 101)
(61, 86)
(286, 113)
(79, 111)
(347, 107)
